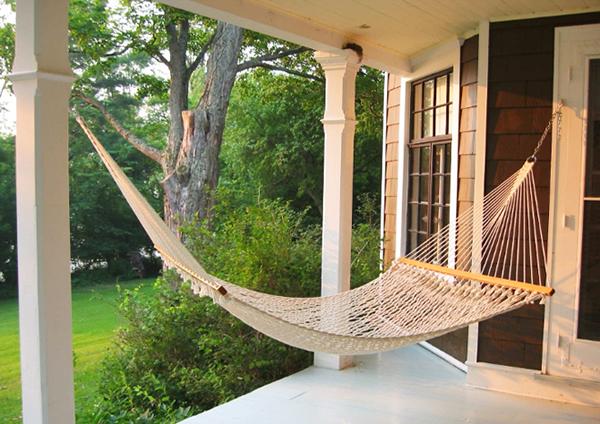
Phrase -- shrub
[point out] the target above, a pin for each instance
(179, 354)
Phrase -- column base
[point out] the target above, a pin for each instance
(333, 362)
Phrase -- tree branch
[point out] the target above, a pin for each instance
(162, 58)
(258, 61)
(318, 202)
(119, 52)
(290, 71)
(4, 85)
(139, 144)
(200, 57)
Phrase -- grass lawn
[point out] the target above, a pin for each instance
(95, 320)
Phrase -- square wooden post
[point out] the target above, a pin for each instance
(338, 124)
(42, 82)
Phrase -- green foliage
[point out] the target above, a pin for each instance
(366, 241)
(105, 235)
(104, 231)
(180, 354)
(7, 52)
(8, 217)
(265, 246)
(274, 141)
(273, 145)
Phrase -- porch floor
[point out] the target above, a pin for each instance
(409, 385)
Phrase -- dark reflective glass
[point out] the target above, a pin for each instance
(589, 286)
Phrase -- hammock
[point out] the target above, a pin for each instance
(439, 287)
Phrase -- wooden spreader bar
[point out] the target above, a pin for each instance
(466, 275)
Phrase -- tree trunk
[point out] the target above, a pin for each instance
(190, 161)
(196, 136)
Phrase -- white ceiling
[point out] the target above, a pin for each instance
(390, 31)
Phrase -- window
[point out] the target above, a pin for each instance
(429, 157)
(589, 289)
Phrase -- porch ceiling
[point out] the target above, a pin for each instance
(390, 31)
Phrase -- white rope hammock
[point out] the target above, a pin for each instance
(439, 287)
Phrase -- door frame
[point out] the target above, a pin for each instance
(565, 354)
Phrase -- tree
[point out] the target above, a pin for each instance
(104, 231)
(189, 158)
(105, 234)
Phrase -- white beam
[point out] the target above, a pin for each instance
(339, 123)
(259, 17)
(42, 81)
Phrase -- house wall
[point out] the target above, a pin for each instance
(520, 81)
(391, 168)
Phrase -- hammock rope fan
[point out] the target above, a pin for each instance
(491, 261)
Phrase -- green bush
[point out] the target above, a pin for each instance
(179, 354)
(366, 241)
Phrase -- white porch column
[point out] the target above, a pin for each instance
(338, 124)
(42, 80)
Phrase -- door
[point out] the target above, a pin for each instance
(573, 348)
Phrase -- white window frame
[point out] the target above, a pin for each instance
(429, 62)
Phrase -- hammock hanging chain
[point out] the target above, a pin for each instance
(556, 115)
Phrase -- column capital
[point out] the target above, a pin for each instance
(343, 59)
(340, 81)
(42, 36)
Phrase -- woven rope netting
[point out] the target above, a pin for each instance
(468, 271)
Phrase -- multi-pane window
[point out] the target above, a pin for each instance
(429, 157)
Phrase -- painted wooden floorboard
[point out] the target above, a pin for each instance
(409, 385)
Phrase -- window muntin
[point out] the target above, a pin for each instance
(431, 107)
(429, 157)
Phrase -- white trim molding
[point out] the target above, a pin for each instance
(383, 159)
(533, 383)
(535, 15)
(480, 150)
(565, 353)
(40, 75)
